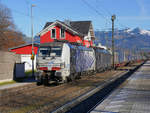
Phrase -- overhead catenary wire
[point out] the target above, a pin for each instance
(97, 12)
(108, 13)
(28, 6)
(94, 9)
(100, 14)
(27, 15)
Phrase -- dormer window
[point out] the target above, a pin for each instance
(53, 33)
(62, 33)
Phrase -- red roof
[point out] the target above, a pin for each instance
(25, 49)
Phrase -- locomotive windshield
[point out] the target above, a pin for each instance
(56, 51)
(50, 51)
(44, 51)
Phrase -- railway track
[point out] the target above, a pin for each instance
(87, 105)
(32, 98)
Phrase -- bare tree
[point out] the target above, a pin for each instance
(6, 21)
(9, 36)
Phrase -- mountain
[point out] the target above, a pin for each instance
(28, 40)
(138, 31)
(126, 38)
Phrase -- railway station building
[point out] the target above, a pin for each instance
(71, 31)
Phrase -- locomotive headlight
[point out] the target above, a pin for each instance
(62, 65)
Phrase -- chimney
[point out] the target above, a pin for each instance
(67, 22)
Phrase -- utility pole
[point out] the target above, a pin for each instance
(113, 17)
(32, 55)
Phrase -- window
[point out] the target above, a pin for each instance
(53, 33)
(44, 51)
(50, 51)
(56, 51)
(62, 33)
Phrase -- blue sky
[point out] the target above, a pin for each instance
(129, 13)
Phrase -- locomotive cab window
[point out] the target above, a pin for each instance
(44, 51)
(50, 51)
(56, 51)
(53, 33)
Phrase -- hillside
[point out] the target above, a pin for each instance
(126, 38)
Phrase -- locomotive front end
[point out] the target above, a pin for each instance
(50, 64)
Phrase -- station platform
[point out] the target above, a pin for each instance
(133, 96)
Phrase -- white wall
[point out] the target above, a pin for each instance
(28, 62)
(7, 65)
(88, 37)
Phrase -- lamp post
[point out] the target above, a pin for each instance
(113, 55)
(32, 55)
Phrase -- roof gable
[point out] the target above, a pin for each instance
(78, 27)
(47, 24)
(81, 26)
(58, 23)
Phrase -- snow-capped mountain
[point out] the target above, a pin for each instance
(138, 31)
(126, 38)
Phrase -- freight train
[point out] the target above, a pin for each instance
(62, 62)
